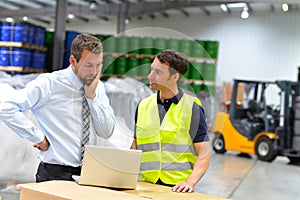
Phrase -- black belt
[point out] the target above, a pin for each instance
(65, 168)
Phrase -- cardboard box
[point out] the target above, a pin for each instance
(227, 92)
(67, 190)
(155, 191)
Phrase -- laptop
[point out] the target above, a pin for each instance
(110, 167)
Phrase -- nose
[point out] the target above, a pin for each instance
(94, 70)
(150, 75)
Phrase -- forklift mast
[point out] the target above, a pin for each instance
(289, 92)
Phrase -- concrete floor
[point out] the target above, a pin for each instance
(234, 177)
(242, 178)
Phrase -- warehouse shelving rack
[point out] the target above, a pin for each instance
(21, 69)
(142, 78)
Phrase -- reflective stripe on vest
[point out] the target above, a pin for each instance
(167, 147)
(166, 166)
(168, 151)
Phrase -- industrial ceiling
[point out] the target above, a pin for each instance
(56, 13)
(44, 11)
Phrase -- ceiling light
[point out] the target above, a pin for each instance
(236, 5)
(9, 19)
(25, 18)
(285, 7)
(71, 16)
(93, 5)
(127, 20)
(245, 13)
(224, 7)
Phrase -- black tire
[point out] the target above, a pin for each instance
(219, 144)
(264, 149)
(294, 160)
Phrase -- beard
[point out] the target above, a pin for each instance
(88, 80)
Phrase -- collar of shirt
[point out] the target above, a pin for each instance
(73, 78)
(167, 103)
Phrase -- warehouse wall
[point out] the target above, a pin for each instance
(265, 46)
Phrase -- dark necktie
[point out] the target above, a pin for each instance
(86, 124)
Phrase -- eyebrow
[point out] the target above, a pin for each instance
(89, 63)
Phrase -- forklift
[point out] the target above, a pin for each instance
(255, 125)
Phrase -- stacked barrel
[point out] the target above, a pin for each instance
(69, 37)
(49, 43)
(25, 55)
(132, 56)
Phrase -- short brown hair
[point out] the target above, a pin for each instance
(176, 60)
(87, 42)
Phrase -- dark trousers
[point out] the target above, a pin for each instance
(47, 172)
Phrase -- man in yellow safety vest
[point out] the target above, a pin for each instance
(171, 129)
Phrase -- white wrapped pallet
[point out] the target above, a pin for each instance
(18, 158)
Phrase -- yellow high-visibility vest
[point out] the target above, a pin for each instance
(168, 150)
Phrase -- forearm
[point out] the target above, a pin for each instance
(14, 110)
(20, 124)
(199, 169)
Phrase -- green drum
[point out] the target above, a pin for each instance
(209, 72)
(173, 44)
(133, 66)
(49, 38)
(160, 44)
(147, 46)
(49, 58)
(196, 87)
(135, 45)
(100, 37)
(196, 71)
(121, 66)
(199, 49)
(186, 47)
(122, 46)
(110, 44)
(108, 65)
(144, 68)
(212, 48)
(188, 72)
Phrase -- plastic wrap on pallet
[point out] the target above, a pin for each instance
(124, 96)
(18, 158)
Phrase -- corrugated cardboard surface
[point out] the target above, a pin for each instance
(154, 191)
(67, 190)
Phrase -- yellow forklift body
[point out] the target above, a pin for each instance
(234, 140)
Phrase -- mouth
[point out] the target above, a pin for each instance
(153, 85)
(88, 81)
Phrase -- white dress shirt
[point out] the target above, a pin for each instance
(55, 101)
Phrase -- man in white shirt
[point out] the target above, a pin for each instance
(55, 100)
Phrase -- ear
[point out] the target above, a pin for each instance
(176, 76)
(72, 60)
